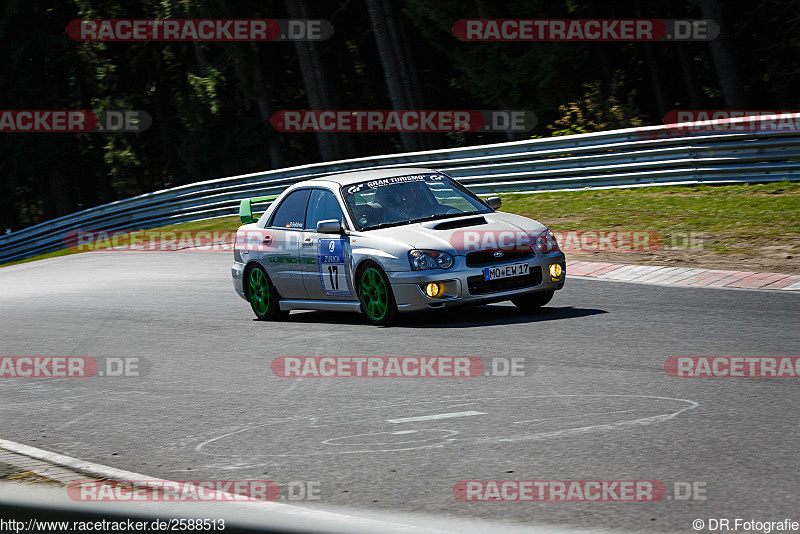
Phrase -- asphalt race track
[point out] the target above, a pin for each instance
(595, 402)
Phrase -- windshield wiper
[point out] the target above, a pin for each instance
(445, 216)
(384, 225)
(421, 219)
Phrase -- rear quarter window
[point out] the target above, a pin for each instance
(292, 211)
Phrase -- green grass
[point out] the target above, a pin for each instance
(726, 216)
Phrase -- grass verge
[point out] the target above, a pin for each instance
(749, 226)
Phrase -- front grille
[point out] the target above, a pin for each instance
(484, 258)
(478, 286)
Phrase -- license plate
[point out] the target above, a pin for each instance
(505, 271)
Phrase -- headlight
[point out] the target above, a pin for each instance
(546, 242)
(430, 259)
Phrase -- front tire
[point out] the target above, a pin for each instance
(376, 297)
(262, 295)
(533, 301)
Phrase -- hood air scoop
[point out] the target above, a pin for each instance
(458, 223)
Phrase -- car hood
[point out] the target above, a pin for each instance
(460, 235)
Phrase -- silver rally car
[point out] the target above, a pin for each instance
(387, 241)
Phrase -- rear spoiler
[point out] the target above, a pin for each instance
(246, 207)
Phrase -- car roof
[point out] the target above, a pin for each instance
(354, 177)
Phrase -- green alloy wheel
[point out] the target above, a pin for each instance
(375, 293)
(262, 295)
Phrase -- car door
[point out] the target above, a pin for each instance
(282, 258)
(324, 256)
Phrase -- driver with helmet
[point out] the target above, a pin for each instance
(402, 201)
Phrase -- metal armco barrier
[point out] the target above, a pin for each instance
(654, 155)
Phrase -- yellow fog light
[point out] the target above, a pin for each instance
(432, 290)
(556, 271)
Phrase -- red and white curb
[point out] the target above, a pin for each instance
(682, 276)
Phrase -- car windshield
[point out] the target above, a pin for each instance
(404, 199)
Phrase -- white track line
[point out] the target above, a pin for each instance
(433, 417)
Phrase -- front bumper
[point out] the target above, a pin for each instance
(465, 285)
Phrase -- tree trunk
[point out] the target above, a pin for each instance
(405, 62)
(780, 89)
(264, 113)
(723, 55)
(313, 80)
(391, 68)
(655, 78)
(200, 58)
(688, 76)
(57, 195)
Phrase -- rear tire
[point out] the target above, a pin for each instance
(262, 295)
(533, 301)
(375, 295)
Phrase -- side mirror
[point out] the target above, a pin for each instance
(494, 202)
(329, 226)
